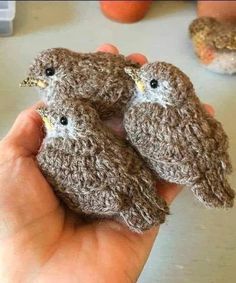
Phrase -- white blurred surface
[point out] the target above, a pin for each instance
(7, 14)
(196, 244)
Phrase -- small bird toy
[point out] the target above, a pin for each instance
(94, 172)
(167, 124)
(60, 74)
(215, 44)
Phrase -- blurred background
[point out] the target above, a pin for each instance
(196, 244)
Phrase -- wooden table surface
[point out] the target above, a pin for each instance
(195, 245)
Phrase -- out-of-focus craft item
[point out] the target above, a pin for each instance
(215, 44)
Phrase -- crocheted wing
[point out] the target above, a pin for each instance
(175, 140)
(128, 175)
(210, 163)
(84, 183)
(202, 142)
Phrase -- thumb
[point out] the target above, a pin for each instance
(27, 131)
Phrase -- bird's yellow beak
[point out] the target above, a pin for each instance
(134, 74)
(46, 121)
(140, 85)
(31, 82)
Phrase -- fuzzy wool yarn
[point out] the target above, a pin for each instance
(214, 43)
(93, 171)
(180, 141)
(99, 78)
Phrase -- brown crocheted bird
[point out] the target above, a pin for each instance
(95, 172)
(215, 44)
(170, 128)
(99, 78)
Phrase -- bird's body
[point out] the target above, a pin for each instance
(98, 174)
(180, 141)
(95, 77)
(215, 44)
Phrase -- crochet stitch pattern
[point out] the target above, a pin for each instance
(180, 141)
(99, 78)
(95, 172)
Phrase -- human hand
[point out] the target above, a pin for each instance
(221, 10)
(40, 240)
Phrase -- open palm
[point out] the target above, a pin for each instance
(42, 241)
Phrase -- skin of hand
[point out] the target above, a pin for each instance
(224, 11)
(42, 241)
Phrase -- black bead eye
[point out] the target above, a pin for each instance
(154, 83)
(49, 72)
(63, 121)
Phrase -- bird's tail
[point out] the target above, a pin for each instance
(145, 213)
(214, 191)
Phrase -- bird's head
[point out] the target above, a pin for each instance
(50, 72)
(68, 120)
(161, 83)
(202, 26)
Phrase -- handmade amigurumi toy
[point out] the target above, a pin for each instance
(95, 172)
(99, 78)
(215, 44)
(181, 142)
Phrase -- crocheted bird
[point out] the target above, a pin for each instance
(215, 44)
(167, 124)
(99, 78)
(93, 171)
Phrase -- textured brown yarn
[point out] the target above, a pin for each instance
(215, 34)
(178, 138)
(95, 172)
(95, 77)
